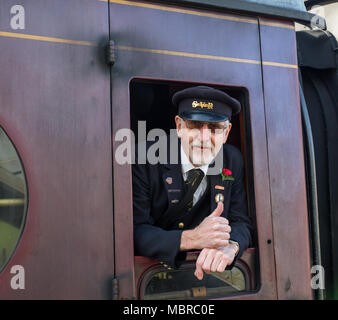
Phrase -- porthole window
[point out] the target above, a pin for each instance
(13, 199)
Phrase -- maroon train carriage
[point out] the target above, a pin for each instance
(75, 72)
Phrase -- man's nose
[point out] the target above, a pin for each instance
(205, 133)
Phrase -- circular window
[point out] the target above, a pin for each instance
(13, 199)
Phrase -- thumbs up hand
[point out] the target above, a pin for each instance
(213, 232)
(218, 211)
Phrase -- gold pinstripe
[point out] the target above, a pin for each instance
(197, 13)
(180, 10)
(205, 56)
(157, 51)
(276, 24)
(41, 38)
(277, 64)
(187, 54)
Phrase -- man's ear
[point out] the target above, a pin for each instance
(178, 122)
(226, 133)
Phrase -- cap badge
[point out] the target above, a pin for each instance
(202, 105)
(169, 180)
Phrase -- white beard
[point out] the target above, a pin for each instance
(201, 158)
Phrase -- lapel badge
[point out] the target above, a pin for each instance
(219, 187)
(219, 197)
(169, 180)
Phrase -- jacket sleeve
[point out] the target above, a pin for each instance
(240, 223)
(150, 240)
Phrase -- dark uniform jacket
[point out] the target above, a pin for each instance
(157, 191)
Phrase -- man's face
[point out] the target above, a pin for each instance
(201, 141)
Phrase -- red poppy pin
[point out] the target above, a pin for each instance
(227, 175)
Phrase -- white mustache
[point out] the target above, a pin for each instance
(202, 145)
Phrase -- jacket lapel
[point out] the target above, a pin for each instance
(172, 178)
(217, 186)
(173, 181)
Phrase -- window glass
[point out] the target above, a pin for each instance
(13, 199)
(182, 284)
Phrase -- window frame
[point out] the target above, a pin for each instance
(245, 140)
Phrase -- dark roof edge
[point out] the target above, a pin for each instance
(241, 6)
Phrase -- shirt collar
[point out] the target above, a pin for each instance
(187, 165)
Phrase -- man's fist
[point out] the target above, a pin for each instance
(214, 260)
(213, 232)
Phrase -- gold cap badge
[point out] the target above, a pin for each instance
(202, 105)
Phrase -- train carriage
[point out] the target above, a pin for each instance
(75, 74)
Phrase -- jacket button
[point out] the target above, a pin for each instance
(181, 225)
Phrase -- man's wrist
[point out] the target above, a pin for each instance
(235, 245)
(187, 240)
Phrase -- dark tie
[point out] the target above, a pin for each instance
(194, 179)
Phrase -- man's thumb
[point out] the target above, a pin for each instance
(218, 211)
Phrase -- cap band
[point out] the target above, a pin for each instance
(203, 116)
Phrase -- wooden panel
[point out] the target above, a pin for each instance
(286, 165)
(174, 46)
(55, 106)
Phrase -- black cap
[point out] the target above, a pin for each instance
(207, 104)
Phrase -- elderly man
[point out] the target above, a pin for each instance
(180, 207)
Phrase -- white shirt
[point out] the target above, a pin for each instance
(186, 166)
